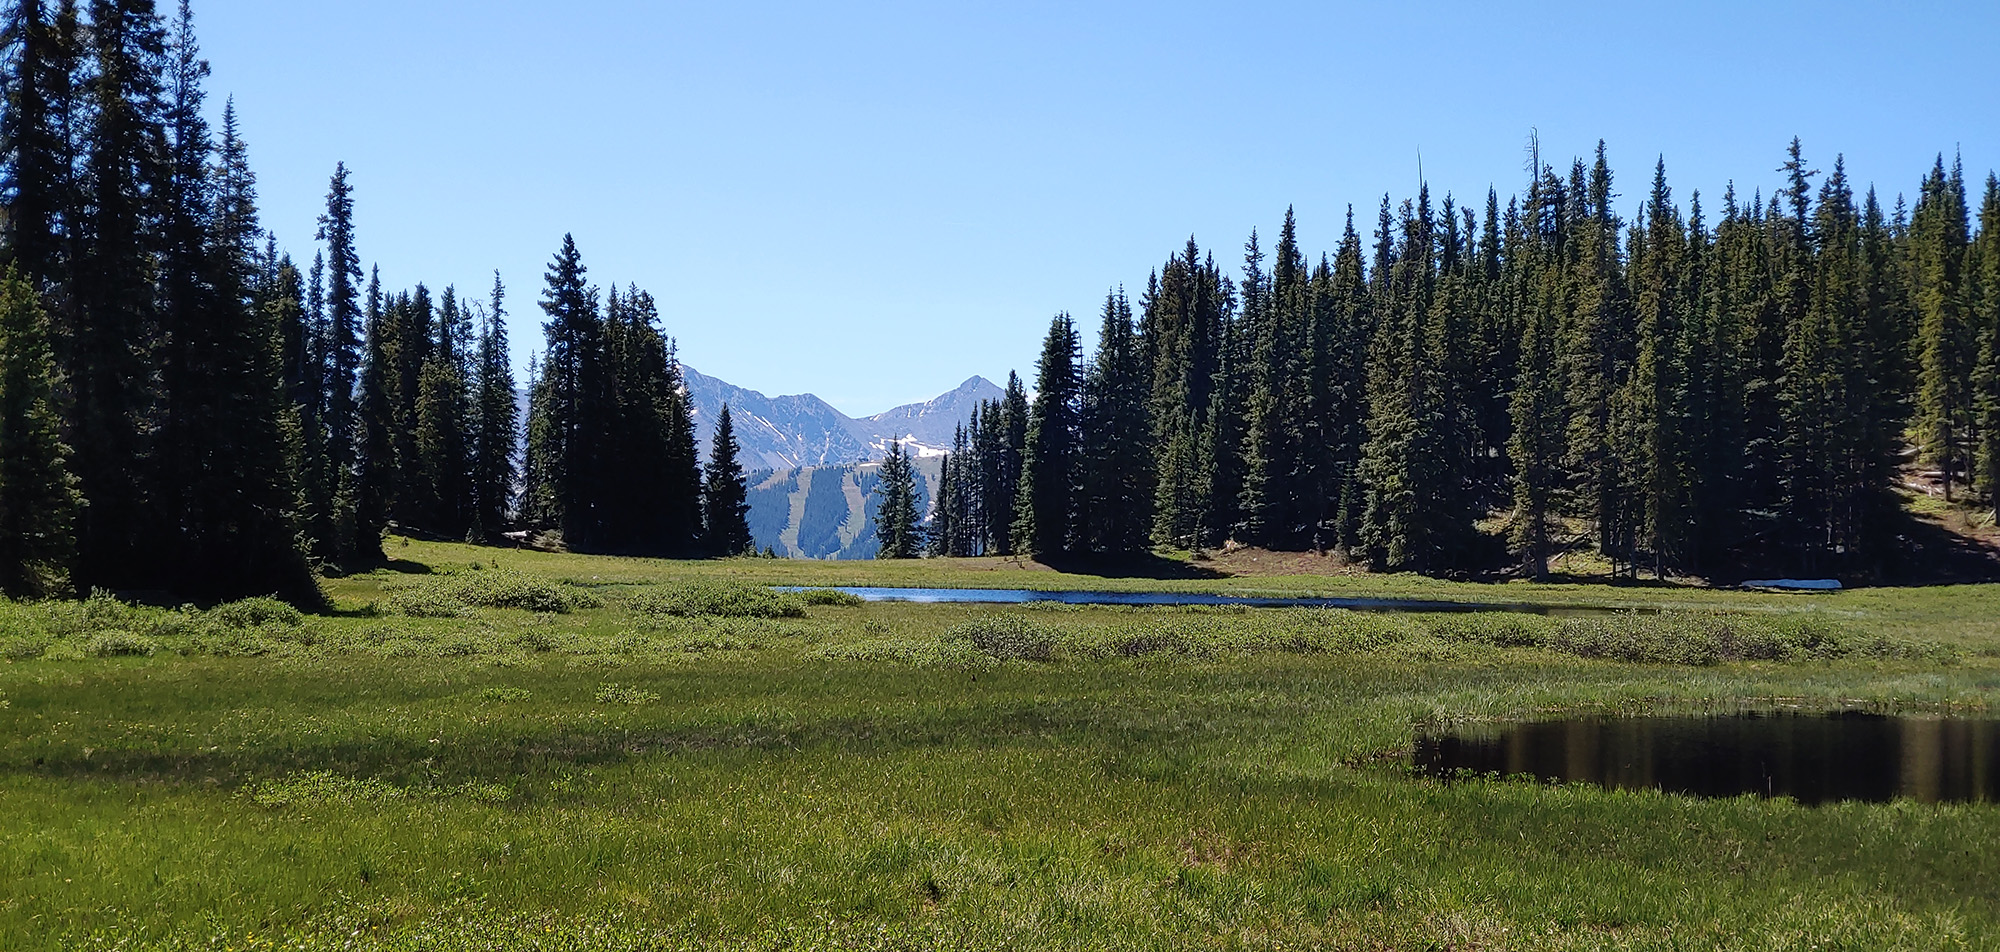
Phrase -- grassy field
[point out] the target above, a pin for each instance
(556, 752)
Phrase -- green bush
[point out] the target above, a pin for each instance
(833, 597)
(693, 599)
(116, 644)
(453, 596)
(1006, 637)
(256, 613)
(428, 602)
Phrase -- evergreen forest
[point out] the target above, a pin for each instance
(187, 408)
(1468, 390)
(1456, 389)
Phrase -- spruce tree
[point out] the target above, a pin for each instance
(1117, 479)
(38, 498)
(495, 421)
(1045, 518)
(376, 478)
(1537, 407)
(224, 474)
(1655, 419)
(680, 485)
(898, 526)
(1983, 277)
(725, 509)
(1945, 340)
(1347, 389)
(942, 528)
(1009, 440)
(443, 414)
(112, 340)
(566, 422)
(343, 365)
(38, 86)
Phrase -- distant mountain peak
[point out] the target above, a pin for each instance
(801, 430)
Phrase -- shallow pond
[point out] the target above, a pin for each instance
(1021, 596)
(1812, 759)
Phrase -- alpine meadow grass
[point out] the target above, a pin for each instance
(617, 754)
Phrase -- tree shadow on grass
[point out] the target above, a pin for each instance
(1935, 555)
(1145, 566)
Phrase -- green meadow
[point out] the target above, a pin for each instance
(493, 749)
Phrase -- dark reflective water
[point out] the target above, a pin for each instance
(1021, 596)
(1812, 759)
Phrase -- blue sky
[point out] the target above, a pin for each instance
(874, 202)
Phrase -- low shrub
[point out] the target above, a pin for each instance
(1007, 637)
(922, 653)
(832, 597)
(693, 599)
(453, 596)
(617, 694)
(256, 613)
(117, 644)
(428, 602)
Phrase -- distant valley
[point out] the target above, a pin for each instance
(813, 469)
(789, 432)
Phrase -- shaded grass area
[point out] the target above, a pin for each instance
(617, 775)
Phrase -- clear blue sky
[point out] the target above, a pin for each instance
(872, 202)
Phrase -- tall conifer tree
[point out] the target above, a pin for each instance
(1045, 519)
(724, 492)
(38, 498)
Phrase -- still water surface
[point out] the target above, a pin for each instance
(1021, 596)
(1812, 759)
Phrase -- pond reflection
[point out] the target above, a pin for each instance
(1812, 759)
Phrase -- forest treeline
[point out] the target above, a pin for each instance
(1483, 388)
(186, 409)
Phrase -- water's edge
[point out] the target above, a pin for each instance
(1017, 596)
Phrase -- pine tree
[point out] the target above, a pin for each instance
(1983, 273)
(898, 526)
(38, 85)
(1008, 441)
(444, 408)
(1945, 343)
(495, 420)
(1117, 480)
(377, 480)
(115, 325)
(726, 511)
(343, 366)
(1347, 389)
(943, 527)
(1414, 518)
(680, 484)
(38, 498)
(565, 423)
(225, 477)
(1538, 410)
(1045, 518)
(1657, 424)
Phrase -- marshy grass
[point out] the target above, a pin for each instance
(721, 776)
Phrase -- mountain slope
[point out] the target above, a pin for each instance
(928, 426)
(825, 512)
(790, 432)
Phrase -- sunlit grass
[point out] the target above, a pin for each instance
(618, 776)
